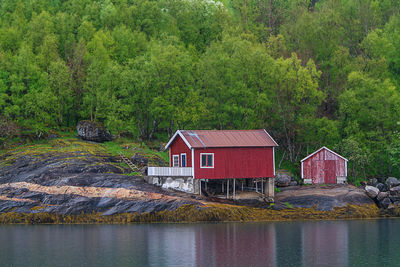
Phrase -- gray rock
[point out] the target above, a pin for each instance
(282, 179)
(381, 187)
(138, 159)
(373, 182)
(372, 191)
(392, 182)
(93, 131)
(382, 195)
(385, 203)
(395, 191)
(293, 183)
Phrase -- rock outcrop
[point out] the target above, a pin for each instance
(79, 181)
(324, 198)
(139, 160)
(93, 131)
(282, 179)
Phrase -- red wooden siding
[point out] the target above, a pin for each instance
(177, 148)
(236, 162)
(323, 167)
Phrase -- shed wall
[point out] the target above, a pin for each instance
(236, 162)
(314, 167)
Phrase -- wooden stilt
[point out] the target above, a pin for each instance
(222, 187)
(256, 186)
(200, 187)
(234, 188)
(205, 185)
(262, 186)
(227, 189)
(242, 185)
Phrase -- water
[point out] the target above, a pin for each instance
(310, 243)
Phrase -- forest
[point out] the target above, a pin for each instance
(311, 72)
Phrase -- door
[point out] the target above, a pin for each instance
(317, 171)
(330, 171)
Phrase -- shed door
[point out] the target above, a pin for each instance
(317, 171)
(330, 171)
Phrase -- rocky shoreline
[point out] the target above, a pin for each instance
(74, 181)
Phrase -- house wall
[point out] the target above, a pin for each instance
(237, 162)
(177, 148)
(314, 169)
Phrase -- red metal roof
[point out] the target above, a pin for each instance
(225, 138)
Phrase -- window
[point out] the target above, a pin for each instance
(206, 160)
(183, 160)
(175, 161)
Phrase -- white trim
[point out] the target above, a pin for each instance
(169, 156)
(173, 160)
(207, 167)
(173, 138)
(324, 147)
(271, 137)
(273, 155)
(345, 168)
(185, 159)
(193, 163)
(302, 173)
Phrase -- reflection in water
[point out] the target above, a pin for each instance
(325, 243)
(321, 243)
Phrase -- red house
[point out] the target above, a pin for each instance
(220, 154)
(324, 167)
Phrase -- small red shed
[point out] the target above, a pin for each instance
(223, 154)
(324, 167)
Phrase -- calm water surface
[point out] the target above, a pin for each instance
(322, 243)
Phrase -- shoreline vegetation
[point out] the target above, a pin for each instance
(191, 214)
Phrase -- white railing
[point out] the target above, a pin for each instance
(169, 171)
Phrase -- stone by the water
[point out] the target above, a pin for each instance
(372, 191)
(381, 187)
(382, 195)
(392, 182)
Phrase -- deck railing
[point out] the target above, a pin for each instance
(169, 171)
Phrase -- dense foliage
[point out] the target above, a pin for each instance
(312, 72)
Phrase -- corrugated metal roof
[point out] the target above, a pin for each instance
(225, 138)
(324, 147)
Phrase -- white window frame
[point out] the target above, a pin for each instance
(207, 167)
(173, 160)
(185, 159)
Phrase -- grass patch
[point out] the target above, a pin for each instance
(129, 148)
(288, 205)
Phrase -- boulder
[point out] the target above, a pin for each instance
(382, 195)
(93, 131)
(282, 179)
(381, 187)
(372, 191)
(138, 159)
(373, 182)
(395, 191)
(293, 183)
(392, 182)
(385, 203)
